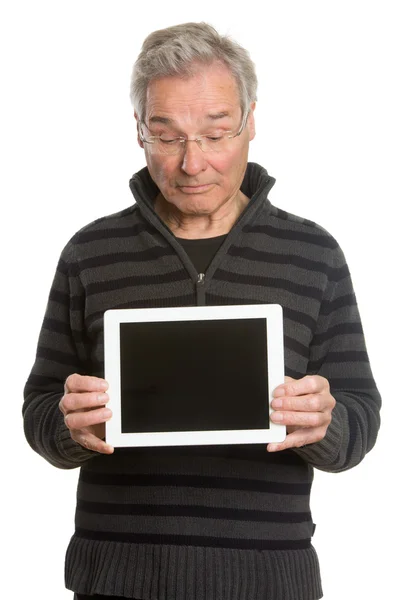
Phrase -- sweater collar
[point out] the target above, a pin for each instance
(256, 183)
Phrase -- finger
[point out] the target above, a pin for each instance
(298, 439)
(79, 420)
(305, 403)
(310, 384)
(88, 400)
(91, 442)
(301, 419)
(84, 383)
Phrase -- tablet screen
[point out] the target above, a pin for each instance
(194, 375)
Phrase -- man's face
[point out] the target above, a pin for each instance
(194, 182)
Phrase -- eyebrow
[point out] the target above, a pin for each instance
(168, 121)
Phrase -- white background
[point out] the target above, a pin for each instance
(327, 129)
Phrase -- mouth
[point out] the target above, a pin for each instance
(195, 189)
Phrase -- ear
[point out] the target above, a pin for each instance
(137, 129)
(251, 123)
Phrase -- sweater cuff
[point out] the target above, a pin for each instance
(326, 453)
(74, 453)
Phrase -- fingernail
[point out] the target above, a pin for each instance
(277, 416)
(107, 414)
(276, 403)
(104, 385)
(272, 447)
(279, 392)
(103, 398)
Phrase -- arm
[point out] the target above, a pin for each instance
(333, 414)
(61, 351)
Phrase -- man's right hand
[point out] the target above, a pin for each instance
(84, 412)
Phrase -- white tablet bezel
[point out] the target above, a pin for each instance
(112, 320)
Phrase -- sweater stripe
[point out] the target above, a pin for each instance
(203, 541)
(335, 274)
(292, 235)
(222, 483)
(202, 512)
(109, 233)
(271, 282)
(125, 257)
(135, 280)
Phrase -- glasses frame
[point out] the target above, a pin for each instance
(182, 140)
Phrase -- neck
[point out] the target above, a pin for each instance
(201, 225)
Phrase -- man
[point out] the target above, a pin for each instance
(211, 522)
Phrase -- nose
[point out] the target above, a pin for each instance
(194, 160)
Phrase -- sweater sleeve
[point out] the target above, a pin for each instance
(61, 351)
(338, 353)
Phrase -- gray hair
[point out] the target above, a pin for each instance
(179, 50)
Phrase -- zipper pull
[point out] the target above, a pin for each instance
(200, 290)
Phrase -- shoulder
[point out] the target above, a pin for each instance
(307, 236)
(95, 237)
(116, 224)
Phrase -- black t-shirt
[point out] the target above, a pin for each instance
(202, 251)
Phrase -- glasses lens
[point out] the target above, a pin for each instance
(214, 144)
(206, 144)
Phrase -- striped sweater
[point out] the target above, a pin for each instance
(213, 522)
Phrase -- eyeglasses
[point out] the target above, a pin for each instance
(210, 142)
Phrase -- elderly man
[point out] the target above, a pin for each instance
(215, 523)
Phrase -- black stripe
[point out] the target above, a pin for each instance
(355, 383)
(354, 431)
(196, 481)
(300, 317)
(184, 300)
(334, 274)
(296, 346)
(62, 358)
(327, 308)
(294, 315)
(41, 381)
(275, 282)
(63, 267)
(290, 234)
(135, 280)
(194, 540)
(59, 297)
(112, 232)
(252, 452)
(123, 257)
(57, 326)
(69, 302)
(339, 357)
(202, 512)
(339, 329)
(294, 374)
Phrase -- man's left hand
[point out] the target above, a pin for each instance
(305, 407)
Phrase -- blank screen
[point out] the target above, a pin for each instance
(194, 375)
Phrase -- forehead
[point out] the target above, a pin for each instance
(211, 90)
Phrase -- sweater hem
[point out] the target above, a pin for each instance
(168, 572)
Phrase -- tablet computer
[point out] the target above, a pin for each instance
(193, 375)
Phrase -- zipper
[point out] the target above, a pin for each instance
(200, 290)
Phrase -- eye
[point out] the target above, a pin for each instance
(168, 139)
(214, 138)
